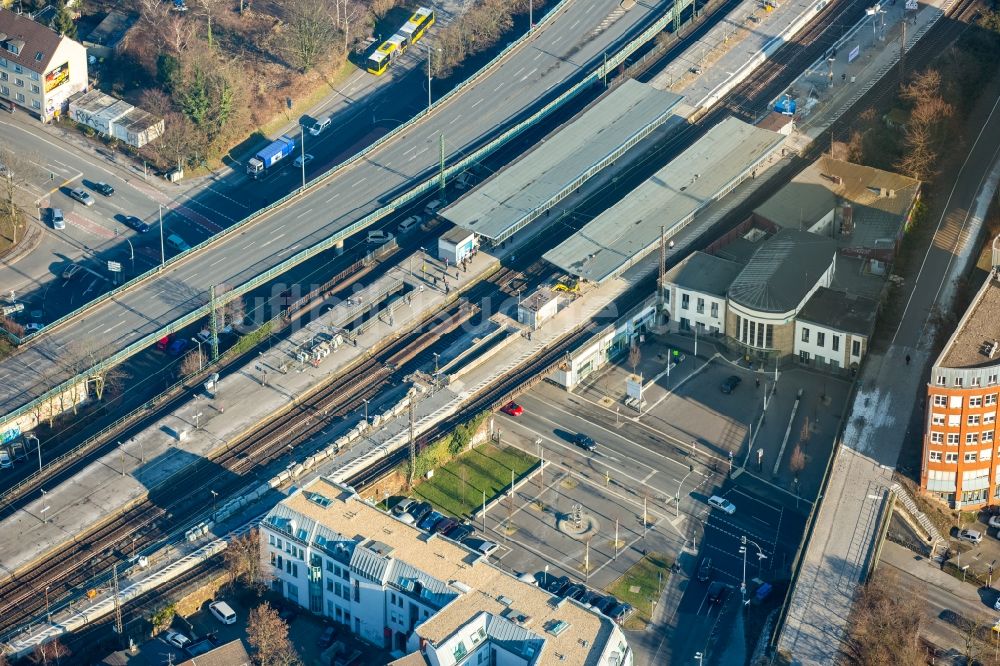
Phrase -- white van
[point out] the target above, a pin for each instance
(409, 224)
(223, 612)
(317, 127)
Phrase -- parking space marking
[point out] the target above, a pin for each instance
(649, 476)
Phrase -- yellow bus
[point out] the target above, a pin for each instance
(418, 24)
(409, 34)
(390, 49)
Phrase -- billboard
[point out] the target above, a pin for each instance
(855, 52)
(57, 77)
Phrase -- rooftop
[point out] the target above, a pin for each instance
(350, 519)
(35, 44)
(969, 345)
(537, 300)
(231, 654)
(517, 195)
(704, 273)
(828, 182)
(782, 271)
(630, 230)
(456, 235)
(840, 311)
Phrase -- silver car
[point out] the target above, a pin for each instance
(82, 195)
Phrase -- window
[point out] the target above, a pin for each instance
(685, 301)
(460, 651)
(329, 585)
(19, 97)
(970, 457)
(715, 310)
(937, 419)
(357, 591)
(836, 343)
(19, 82)
(971, 437)
(953, 438)
(988, 436)
(769, 337)
(35, 89)
(4, 90)
(17, 68)
(976, 401)
(984, 454)
(955, 401)
(270, 539)
(934, 456)
(273, 558)
(855, 347)
(937, 437)
(805, 334)
(958, 381)
(940, 401)
(975, 382)
(3, 76)
(700, 308)
(820, 338)
(991, 399)
(941, 380)
(337, 590)
(953, 420)
(33, 76)
(951, 457)
(991, 380)
(329, 566)
(973, 419)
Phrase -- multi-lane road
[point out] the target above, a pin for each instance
(558, 53)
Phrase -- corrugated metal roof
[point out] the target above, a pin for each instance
(435, 592)
(369, 564)
(501, 205)
(628, 231)
(784, 269)
(704, 273)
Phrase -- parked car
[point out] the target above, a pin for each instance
(104, 189)
(619, 612)
(730, 383)
(402, 506)
(557, 585)
(433, 207)
(419, 510)
(133, 222)
(326, 639)
(302, 159)
(995, 522)
(443, 525)
(528, 578)
(164, 342)
(378, 237)
(705, 569)
(223, 612)
(972, 536)
(177, 243)
(58, 219)
(464, 180)
(6, 462)
(585, 442)
(605, 604)
(512, 409)
(177, 347)
(33, 327)
(589, 597)
(574, 591)
(408, 225)
(459, 532)
(482, 546)
(717, 593)
(177, 639)
(81, 195)
(428, 522)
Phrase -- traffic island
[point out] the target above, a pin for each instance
(641, 586)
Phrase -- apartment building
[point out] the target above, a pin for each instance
(423, 597)
(961, 457)
(39, 68)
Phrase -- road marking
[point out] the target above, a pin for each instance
(108, 330)
(498, 87)
(453, 120)
(517, 73)
(217, 261)
(539, 55)
(302, 214)
(249, 245)
(575, 24)
(478, 102)
(272, 240)
(529, 74)
(359, 182)
(333, 197)
(649, 476)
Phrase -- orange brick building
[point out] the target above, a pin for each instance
(961, 461)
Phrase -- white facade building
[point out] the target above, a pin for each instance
(833, 329)
(39, 68)
(419, 594)
(694, 293)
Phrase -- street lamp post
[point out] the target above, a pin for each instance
(163, 252)
(365, 400)
(215, 502)
(201, 359)
(430, 51)
(48, 611)
(760, 558)
(38, 445)
(699, 656)
(303, 133)
(131, 254)
(677, 497)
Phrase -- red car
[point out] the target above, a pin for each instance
(512, 409)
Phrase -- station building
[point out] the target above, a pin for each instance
(961, 456)
(428, 600)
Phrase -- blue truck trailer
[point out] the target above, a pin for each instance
(270, 155)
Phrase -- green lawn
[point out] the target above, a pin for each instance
(483, 468)
(644, 575)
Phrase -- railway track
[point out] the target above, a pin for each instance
(21, 596)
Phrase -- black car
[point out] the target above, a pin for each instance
(104, 189)
(730, 384)
(717, 593)
(584, 442)
(326, 639)
(135, 223)
(557, 585)
(705, 569)
(574, 591)
(459, 532)
(605, 604)
(589, 597)
(620, 612)
(420, 511)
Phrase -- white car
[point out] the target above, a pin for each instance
(722, 503)
(223, 612)
(303, 159)
(33, 327)
(82, 195)
(378, 237)
(177, 639)
(317, 127)
(58, 219)
(6, 462)
(972, 536)
(995, 522)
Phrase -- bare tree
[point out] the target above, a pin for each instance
(242, 558)
(884, 625)
(379, 8)
(268, 634)
(51, 652)
(926, 128)
(805, 434)
(192, 362)
(209, 9)
(176, 144)
(797, 462)
(16, 169)
(310, 32)
(635, 356)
